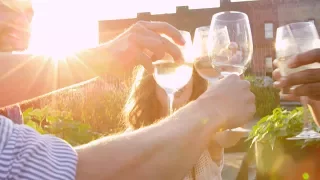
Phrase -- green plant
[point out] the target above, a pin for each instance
(267, 97)
(59, 123)
(97, 103)
(278, 126)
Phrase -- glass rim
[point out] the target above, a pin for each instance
(304, 24)
(184, 32)
(295, 23)
(202, 28)
(244, 18)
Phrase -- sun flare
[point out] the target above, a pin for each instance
(59, 34)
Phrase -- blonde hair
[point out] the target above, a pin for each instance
(142, 107)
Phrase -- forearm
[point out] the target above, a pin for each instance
(25, 76)
(166, 150)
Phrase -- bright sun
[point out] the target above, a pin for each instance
(60, 27)
(58, 31)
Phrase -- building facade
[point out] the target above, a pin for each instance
(264, 15)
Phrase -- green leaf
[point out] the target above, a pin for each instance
(27, 112)
(280, 124)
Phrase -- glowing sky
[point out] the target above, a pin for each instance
(73, 24)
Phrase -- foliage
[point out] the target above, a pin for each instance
(59, 123)
(280, 125)
(79, 114)
(267, 97)
(98, 103)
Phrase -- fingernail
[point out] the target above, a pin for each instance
(276, 84)
(183, 40)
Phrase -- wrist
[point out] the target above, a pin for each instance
(114, 60)
(102, 60)
(213, 119)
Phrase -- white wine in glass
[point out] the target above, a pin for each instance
(172, 76)
(230, 45)
(202, 63)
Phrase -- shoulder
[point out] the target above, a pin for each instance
(30, 155)
(6, 129)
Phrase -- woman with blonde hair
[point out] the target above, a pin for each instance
(147, 104)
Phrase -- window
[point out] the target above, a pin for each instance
(268, 62)
(268, 30)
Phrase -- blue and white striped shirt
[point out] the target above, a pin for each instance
(26, 154)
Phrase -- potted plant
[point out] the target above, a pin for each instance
(275, 155)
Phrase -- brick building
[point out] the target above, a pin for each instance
(264, 15)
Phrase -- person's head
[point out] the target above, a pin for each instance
(148, 103)
(15, 22)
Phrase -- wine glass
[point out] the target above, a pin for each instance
(291, 40)
(202, 62)
(230, 45)
(172, 76)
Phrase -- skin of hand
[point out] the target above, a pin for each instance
(308, 81)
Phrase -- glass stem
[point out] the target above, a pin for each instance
(170, 102)
(307, 123)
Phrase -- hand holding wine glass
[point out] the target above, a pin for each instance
(308, 80)
(172, 76)
(230, 45)
(313, 99)
(291, 40)
(128, 49)
(236, 110)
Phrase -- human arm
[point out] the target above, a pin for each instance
(150, 153)
(160, 151)
(153, 152)
(25, 76)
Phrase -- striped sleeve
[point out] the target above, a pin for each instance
(26, 154)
